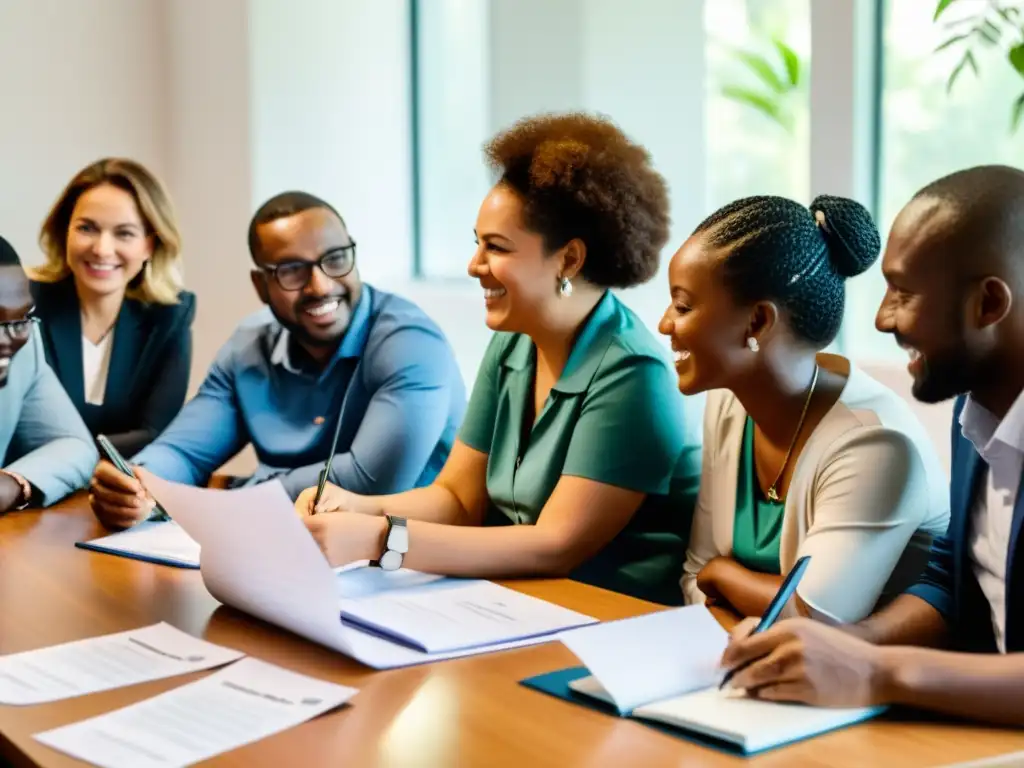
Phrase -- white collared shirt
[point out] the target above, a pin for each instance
(1001, 445)
(95, 367)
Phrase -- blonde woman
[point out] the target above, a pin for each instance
(116, 324)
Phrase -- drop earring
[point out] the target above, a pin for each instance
(752, 344)
(565, 287)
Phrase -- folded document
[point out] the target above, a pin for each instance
(258, 557)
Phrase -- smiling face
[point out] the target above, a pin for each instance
(15, 304)
(519, 278)
(319, 314)
(926, 306)
(707, 327)
(107, 242)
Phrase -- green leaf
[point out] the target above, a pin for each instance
(763, 104)
(968, 59)
(1018, 112)
(987, 34)
(940, 8)
(791, 60)
(760, 67)
(1016, 57)
(952, 41)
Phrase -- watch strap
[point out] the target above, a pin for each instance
(393, 521)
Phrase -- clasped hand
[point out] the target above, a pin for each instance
(346, 526)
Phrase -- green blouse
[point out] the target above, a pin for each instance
(615, 416)
(757, 527)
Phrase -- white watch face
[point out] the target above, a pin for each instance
(391, 560)
(398, 539)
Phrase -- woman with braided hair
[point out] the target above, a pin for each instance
(804, 453)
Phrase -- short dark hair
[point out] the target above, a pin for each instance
(777, 251)
(579, 176)
(281, 206)
(8, 256)
(987, 202)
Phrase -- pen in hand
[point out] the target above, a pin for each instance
(771, 615)
(322, 481)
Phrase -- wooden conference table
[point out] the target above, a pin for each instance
(466, 712)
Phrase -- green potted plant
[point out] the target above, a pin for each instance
(993, 24)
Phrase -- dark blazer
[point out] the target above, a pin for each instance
(949, 583)
(149, 364)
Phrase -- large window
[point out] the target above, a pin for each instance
(758, 109)
(482, 64)
(928, 130)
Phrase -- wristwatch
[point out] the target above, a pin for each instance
(26, 488)
(396, 544)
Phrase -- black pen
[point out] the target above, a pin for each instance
(778, 602)
(327, 467)
(114, 457)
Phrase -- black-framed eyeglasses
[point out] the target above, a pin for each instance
(295, 275)
(18, 330)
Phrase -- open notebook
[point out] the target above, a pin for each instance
(670, 676)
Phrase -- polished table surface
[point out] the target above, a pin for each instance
(465, 712)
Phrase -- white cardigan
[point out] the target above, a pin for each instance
(867, 496)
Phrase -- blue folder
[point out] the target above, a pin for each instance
(137, 543)
(557, 684)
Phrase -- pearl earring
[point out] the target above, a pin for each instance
(565, 287)
(752, 344)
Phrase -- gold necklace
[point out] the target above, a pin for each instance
(773, 495)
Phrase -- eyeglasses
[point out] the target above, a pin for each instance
(18, 330)
(295, 275)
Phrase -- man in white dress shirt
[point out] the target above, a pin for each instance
(954, 266)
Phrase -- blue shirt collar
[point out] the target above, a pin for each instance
(353, 343)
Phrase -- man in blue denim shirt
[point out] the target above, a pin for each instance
(331, 347)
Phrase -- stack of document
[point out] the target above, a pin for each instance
(242, 703)
(258, 557)
(671, 675)
(163, 542)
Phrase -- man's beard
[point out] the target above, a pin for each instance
(946, 374)
(302, 335)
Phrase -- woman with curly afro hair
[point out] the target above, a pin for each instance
(571, 459)
(804, 453)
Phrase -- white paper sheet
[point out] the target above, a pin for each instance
(238, 705)
(259, 558)
(680, 648)
(102, 663)
(460, 615)
(163, 542)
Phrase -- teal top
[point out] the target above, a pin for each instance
(757, 528)
(615, 416)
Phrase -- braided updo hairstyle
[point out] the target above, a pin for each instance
(777, 251)
(579, 176)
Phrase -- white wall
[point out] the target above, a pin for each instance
(330, 83)
(210, 158)
(78, 81)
